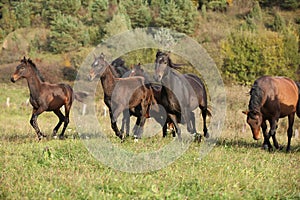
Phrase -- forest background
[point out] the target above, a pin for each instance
(246, 38)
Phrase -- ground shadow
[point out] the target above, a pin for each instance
(243, 143)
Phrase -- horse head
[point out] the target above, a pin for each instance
(161, 65)
(137, 70)
(23, 70)
(254, 119)
(98, 66)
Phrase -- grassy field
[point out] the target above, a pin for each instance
(236, 168)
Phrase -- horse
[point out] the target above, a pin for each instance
(158, 115)
(128, 95)
(181, 94)
(45, 96)
(272, 98)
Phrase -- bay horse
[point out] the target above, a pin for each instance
(128, 95)
(159, 115)
(181, 94)
(272, 98)
(45, 96)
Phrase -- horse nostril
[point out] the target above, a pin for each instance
(12, 79)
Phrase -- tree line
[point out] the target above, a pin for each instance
(255, 47)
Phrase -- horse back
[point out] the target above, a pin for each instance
(279, 92)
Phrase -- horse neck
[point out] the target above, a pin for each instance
(256, 99)
(34, 84)
(108, 81)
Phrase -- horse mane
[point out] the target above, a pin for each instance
(35, 69)
(256, 98)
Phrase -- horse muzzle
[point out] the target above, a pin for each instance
(256, 135)
(157, 78)
(12, 79)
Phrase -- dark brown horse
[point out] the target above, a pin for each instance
(181, 94)
(127, 95)
(272, 98)
(159, 115)
(45, 96)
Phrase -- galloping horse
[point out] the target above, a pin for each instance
(159, 115)
(272, 98)
(127, 95)
(181, 94)
(46, 96)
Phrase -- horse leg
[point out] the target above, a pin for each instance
(66, 120)
(177, 128)
(140, 127)
(165, 127)
(125, 120)
(115, 114)
(290, 131)
(61, 118)
(272, 132)
(266, 143)
(187, 117)
(204, 114)
(34, 124)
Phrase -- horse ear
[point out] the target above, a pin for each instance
(245, 112)
(24, 60)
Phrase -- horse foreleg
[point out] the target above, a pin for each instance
(61, 118)
(34, 124)
(266, 143)
(290, 131)
(272, 132)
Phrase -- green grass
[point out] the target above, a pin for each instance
(236, 168)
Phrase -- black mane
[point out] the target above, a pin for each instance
(256, 98)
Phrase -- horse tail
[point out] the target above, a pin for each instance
(209, 111)
(298, 103)
(80, 96)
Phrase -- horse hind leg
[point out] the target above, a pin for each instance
(204, 115)
(290, 131)
(61, 118)
(66, 120)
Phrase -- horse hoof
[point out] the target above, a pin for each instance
(61, 137)
(54, 137)
(206, 135)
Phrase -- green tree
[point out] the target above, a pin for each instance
(67, 34)
(118, 24)
(98, 11)
(138, 12)
(178, 15)
(52, 7)
(23, 13)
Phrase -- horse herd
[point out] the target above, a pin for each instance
(170, 98)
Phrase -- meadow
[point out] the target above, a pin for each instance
(236, 168)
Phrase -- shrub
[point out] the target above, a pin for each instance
(248, 55)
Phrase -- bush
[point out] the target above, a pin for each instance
(248, 55)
